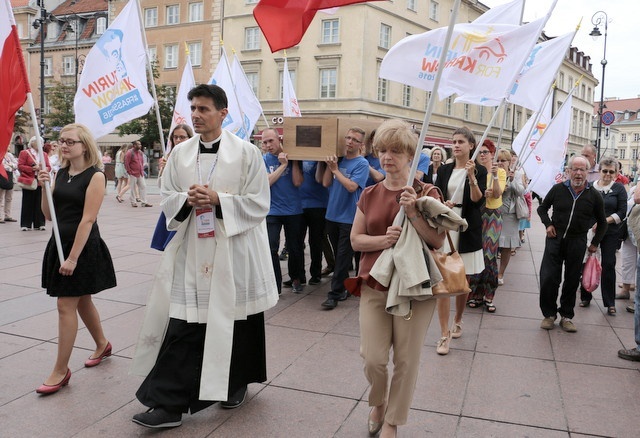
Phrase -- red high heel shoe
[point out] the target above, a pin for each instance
(93, 362)
(50, 389)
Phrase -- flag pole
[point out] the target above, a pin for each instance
(430, 105)
(47, 184)
(522, 158)
(151, 79)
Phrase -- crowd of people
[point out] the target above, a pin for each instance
(225, 205)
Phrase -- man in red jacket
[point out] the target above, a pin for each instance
(134, 164)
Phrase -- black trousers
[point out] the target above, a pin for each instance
(340, 238)
(314, 221)
(174, 381)
(293, 226)
(558, 251)
(31, 211)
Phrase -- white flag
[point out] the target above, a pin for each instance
(524, 147)
(488, 70)
(549, 152)
(234, 121)
(182, 106)
(113, 85)
(536, 76)
(250, 104)
(290, 106)
(414, 59)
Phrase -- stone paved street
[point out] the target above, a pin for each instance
(504, 378)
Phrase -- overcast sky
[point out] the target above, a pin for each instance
(622, 77)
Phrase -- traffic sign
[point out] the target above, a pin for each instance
(608, 118)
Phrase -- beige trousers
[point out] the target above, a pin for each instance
(379, 331)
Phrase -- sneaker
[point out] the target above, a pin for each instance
(144, 204)
(297, 288)
(236, 400)
(548, 323)
(567, 325)
(10, 219)
(442, 347)
(326, 271)
(500, 281)
(42, 229)
(631, 309)
(133, 204)
(284, 255)
(456, 330)
(289, 283)
(330, 304)
(158, 418)
(24, 229)
(314, 281)
(632, 354)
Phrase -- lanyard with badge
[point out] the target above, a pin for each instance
(205, 219)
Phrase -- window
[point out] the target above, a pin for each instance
(101, 25)
(254, 81)
(406, 96)
(560, 84)
(426, 99)
(252, 38)
(467, 111)
(433, 10)
(196, 12)
(171, 56)
(152, 53)
(48, 67)
(481, 113)
(623, 138)
(574, 122)
(383, 86)
(47, 105)
(411, 5)
(634, 154)
(622, 153)
(330, 31)
(636, 136)
(52, 31)
(570, 84)
(151, 17)
(195, 53)
(518, 119)
(385, 36)
(589, 95)
(68, 65)
(292, 75)
(328, 80)
(449, 105)
(173, 14)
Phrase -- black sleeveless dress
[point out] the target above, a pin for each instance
(94, 271)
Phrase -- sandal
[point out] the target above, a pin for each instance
(490, 307)
(513, 252)
(119, 199)
(472, 304)
(611, 311)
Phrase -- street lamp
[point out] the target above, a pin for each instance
(39, 23)
(599, 18)
(76, 30)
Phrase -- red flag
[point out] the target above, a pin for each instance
(284, 22)
(14, 84)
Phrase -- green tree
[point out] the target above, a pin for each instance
(147, 126)
(22, 122)
(60, 98)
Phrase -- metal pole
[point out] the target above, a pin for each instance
(596, 20)
(43, 19)
(77, 31)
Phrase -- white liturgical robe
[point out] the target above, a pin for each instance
(235, 265)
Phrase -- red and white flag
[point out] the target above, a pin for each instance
(290, 107)
(14, 83)
(284, 22)
(549, 153)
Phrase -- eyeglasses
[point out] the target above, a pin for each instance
(180, 137)
(353, 139)
(483, 152)
(504, 161)
(609, 171)
(68, 141)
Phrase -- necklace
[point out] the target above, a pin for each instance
(70, 178)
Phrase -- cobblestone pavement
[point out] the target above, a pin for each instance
(504, 378)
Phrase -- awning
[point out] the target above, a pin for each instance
(113, 139)
(437, 141)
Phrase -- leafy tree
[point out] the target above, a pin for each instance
(61, 102)
(147, 126)
(22, 122)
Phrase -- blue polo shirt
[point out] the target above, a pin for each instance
(342, 203)
(423, 164)
(285, 197)
(312, 193)
(375, 163)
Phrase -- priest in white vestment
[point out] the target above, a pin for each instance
(202, 338)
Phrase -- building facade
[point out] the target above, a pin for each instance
(335, 67)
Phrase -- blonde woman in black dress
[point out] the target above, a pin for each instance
(78, 191)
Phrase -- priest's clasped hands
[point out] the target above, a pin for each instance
(202, 196)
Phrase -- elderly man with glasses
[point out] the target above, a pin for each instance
(575, 204)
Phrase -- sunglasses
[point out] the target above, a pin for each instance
(610, 172)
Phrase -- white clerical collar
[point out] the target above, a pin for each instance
(209, 144)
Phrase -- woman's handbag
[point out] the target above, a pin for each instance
(451, 268)
(591, 273)
(522, 209)
(6, 183)
(22, 183)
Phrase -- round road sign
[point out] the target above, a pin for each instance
(608, 118)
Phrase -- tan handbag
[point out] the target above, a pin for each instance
(451, 267)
